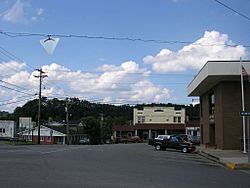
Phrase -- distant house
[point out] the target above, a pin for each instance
(218, 84)
(25, 123)
(47, 135)
(7, 129)
(149, 122)
(55, 133)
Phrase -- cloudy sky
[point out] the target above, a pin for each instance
(189, 33)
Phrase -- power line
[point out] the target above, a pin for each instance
(24, 96)
(13, 102)
(17, 90)
(7, 65)
(233, 10)
(15, 85)
(135, 73)
(11, 55)
(111, 82)
(26, 34)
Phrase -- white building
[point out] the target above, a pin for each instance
(25, 123)
(158, 115)
(47, 135)
(7, 129)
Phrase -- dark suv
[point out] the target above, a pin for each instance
(173, 142)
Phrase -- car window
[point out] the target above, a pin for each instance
(173, 139)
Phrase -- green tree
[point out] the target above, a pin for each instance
(92, 129)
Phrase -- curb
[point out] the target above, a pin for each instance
(229, 165)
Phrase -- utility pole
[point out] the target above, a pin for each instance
(67, 120)
(40, 76)
(101, 125)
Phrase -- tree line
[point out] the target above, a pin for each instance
(86, 112)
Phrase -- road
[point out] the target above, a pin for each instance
(111, 166)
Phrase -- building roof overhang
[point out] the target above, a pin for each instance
(214, 72)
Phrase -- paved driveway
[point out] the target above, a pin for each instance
(120, 165)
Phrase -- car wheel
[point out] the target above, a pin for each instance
(158, 147)
(184, 150)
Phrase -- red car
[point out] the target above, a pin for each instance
(132, 139)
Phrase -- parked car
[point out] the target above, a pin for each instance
(190, 138)
(132, 139)
(84, 141)
(173, 142)
(195, 140)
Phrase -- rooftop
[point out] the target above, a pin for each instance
(214, 72)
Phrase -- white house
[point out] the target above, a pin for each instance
(25, 123)
(47, 135)
(7, 129)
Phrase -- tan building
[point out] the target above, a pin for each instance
(149, 122)
(219, 88)
(158, 115)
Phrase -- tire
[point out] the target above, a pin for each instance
(184, 150)
(158, 147)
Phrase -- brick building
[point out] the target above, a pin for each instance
(219, 88)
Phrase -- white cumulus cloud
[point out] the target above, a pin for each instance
(124, 83)
(21, 12)
(147, 92)
(15, 14)
(212, 46)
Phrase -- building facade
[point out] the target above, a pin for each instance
(158, 115)
(47, 135)
(25, 123)
(55, 133)
(7, 129)
(218, 85)
(149, 122)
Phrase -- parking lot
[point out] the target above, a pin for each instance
(118, 165)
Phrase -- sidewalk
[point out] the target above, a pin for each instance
(232, 159)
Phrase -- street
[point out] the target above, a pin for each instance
(118, 165)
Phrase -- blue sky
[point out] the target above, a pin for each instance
(113, 71)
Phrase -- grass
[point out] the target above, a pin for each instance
(19, 143)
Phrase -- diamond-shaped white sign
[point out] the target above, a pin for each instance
(49, 44)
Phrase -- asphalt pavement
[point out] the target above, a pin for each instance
(111, 166)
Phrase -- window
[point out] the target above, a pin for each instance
(158, 110)
(177, 119)
(2, 130)
(201, 112)
(42, 138)
(211, 103)
(174, 139)
(141, 119)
